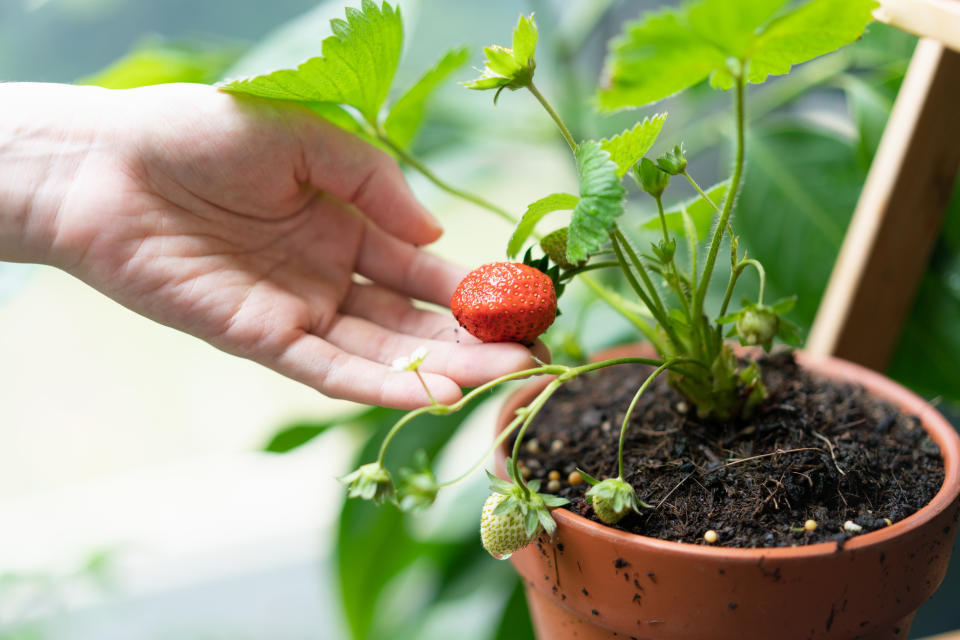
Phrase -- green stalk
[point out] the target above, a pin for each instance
(633, 403)
(566, 275)
(663, 218)
(655, 309)
(735, 275)
(701, 192)
(677, 289)
(553, 114)
(697, 310)
(496, 445)
(446, 409)
(432, 177)
(531, 412)
(659, 311)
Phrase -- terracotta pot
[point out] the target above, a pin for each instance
(593, 582)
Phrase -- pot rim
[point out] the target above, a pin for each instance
(836, 369)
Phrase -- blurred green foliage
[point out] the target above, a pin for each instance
(157, 62)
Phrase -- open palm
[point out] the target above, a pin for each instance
(247, 223)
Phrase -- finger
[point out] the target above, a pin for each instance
(355, 171)
(321, 365)
(394, 311)
(406, 269)
(467, 365)
(541, 351)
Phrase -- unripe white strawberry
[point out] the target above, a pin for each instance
(503, 534)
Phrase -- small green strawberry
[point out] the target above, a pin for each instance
(613, 498)
(758, 325)
(554, 244)
(513, 516)
(505, 302)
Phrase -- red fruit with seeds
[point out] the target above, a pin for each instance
(505, 302)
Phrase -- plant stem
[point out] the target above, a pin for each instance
(659, 311)
(654, 304)
(674, 281)
(445, 409)
(697, 310)
(527, 416)
(496, 445)
(566, 275)
(432, 177)
(633, 403)
(663, 218)
(553, 114)
(423, 382)
(700, 191)
(735, 275)
(531, 412)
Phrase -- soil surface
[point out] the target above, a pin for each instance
(815, 450)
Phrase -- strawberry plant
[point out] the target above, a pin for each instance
(731, 44)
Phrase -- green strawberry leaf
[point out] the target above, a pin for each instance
(525, 41)
(784, 305)
(534, 213)
(656, 57)
(507, 506)
(531, 521)
(730, 317)
(699, 211)
(627, 148)
(356, 69)
(731, 27)
(406, 114)
(789, 333)
(546, 521)
(673, 49)
(158, 62)
(601, 201)
(587, 477)
(816, 28)
(553, 501)
(335, 114)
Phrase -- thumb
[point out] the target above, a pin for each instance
(355, 171)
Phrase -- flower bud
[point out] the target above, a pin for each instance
(369, 482)
(673, 162)
(651, 179)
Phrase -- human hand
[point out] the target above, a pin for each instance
(244, 223)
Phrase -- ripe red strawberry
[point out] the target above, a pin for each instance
(505, 302)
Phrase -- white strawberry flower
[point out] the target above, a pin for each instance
(411, 362)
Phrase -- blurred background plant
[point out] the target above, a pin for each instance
(217, 541)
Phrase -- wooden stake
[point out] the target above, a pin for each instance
(898, 217)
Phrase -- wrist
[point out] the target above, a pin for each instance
(46, 133)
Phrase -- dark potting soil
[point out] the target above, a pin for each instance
(815, 450)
